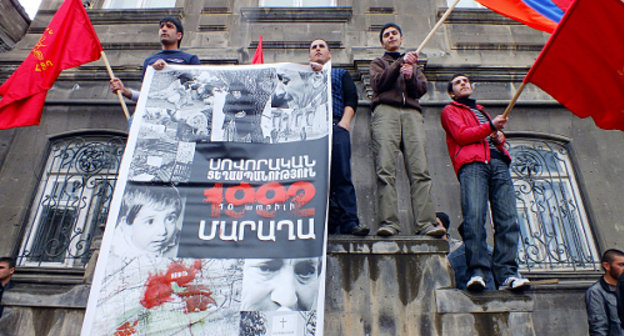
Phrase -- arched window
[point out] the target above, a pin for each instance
(555, 229)
(71, 203)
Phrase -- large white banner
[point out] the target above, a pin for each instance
(217, 224)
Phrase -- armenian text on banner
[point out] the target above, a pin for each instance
(217, 224)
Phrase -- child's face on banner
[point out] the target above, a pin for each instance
(154, 227)
(280, 284)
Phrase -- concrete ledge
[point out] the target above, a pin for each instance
(344, 244)
(75, 297)
(458, 301)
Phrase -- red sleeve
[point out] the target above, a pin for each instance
(459, 130)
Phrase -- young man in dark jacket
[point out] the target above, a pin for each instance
(476, 147)
(342, 200)
(7, 268)
(600, 298)
(397, 125)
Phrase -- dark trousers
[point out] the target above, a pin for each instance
(480, 182)
(342, 201)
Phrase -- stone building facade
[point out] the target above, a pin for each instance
(56, 179)
(13, 24)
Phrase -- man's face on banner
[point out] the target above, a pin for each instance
(280, 284)
(289, 89)
(154, 227)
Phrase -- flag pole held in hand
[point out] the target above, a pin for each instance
(121, 98)
(436, 27)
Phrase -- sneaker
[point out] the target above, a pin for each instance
(356, 230)
(476, 284)
(432, 231)
(516, 284)
(386, 231)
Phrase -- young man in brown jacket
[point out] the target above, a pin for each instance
(397, 125)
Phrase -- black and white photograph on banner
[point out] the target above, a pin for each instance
(225, 173)
(296, 103)
(150, 220)
(280, 284)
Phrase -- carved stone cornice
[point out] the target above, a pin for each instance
(292, 44)
(298, 15)
(476, 16)
(123, 16)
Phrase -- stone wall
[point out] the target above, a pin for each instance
(375, 286)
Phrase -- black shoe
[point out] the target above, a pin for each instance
(357, 230)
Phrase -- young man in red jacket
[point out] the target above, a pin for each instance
(476, 147)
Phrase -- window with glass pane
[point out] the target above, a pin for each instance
(139, 3)
(465, 4)
(297, 3)
(555, 232)
(71, 204)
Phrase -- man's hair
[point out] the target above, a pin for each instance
(321, 39)
(445, 219)
(176, 22)
(449, 86)
(8, 260)
(136, 197)
(386, 26)
(609, 255)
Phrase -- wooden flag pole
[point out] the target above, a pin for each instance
(119, 95)
(436, 27)
(513, 100)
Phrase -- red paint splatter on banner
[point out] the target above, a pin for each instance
(197, 298)
(126, 329)
(158, 291)
(158, 288)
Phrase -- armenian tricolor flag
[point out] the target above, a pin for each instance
(582, 65)
(539, 14)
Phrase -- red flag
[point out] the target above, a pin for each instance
(67, 42)
(258, 56)
(582, 65)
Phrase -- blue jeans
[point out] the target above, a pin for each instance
(480, 182)
(342, 200)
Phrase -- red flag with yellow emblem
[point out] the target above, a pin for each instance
(67, 42)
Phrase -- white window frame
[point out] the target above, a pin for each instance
(465, 4)
(298, 3)
(137, 4)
